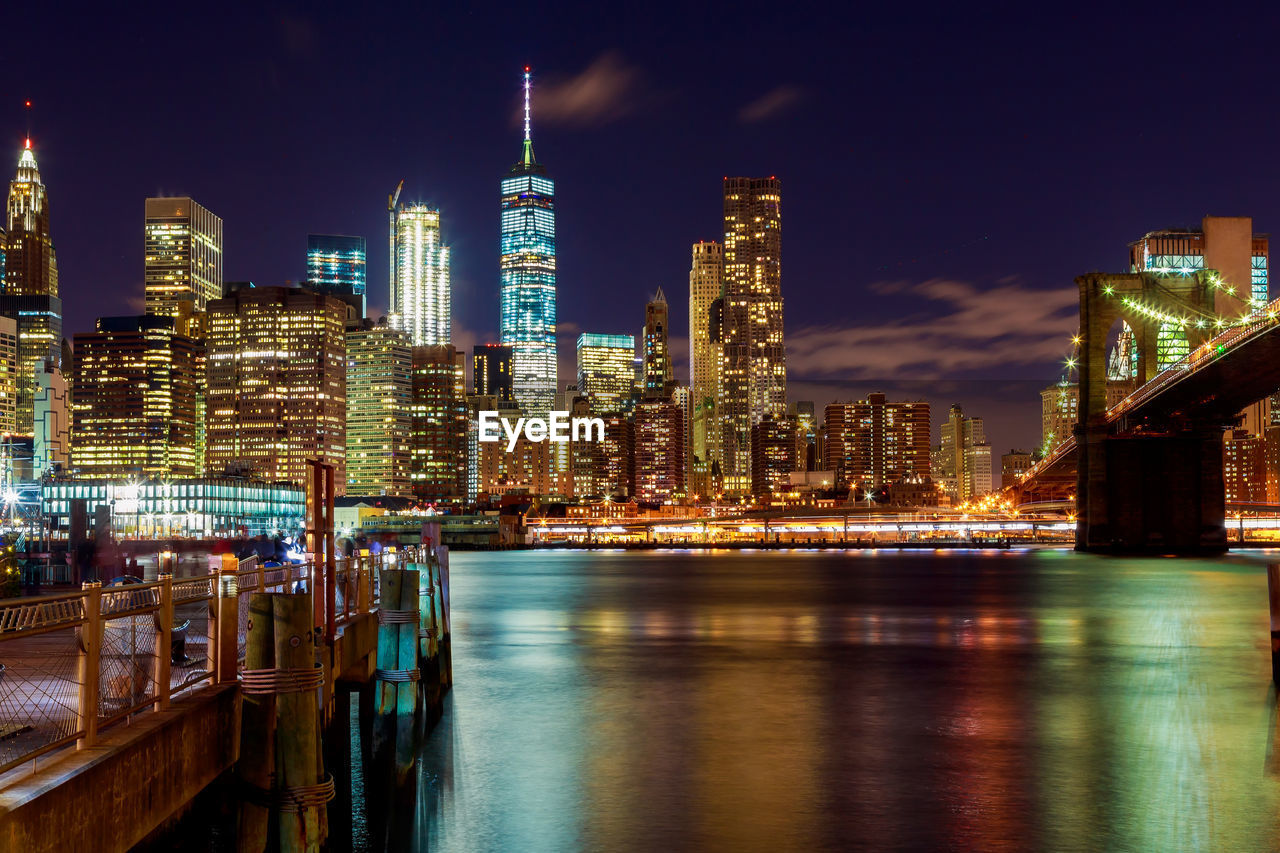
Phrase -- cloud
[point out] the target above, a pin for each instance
(606, 90)
(771, 104)
(976, 329)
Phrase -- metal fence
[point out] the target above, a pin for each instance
(75, 663)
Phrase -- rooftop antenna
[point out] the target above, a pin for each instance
(527, 121)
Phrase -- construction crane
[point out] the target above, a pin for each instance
(392, 201)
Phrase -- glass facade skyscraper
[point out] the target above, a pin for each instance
(336, 265)
(528, 321)
(421, 295)
(182, 255)
(606, 371)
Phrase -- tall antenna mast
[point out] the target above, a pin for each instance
(527, 121)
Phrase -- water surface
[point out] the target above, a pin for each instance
(808, 700)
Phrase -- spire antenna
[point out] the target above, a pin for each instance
(527, 120)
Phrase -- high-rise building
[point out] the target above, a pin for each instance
(753, 380)
(51, 442)
(421, 295)
(39, 323)
(773, 451)
(804, 413)
(659, 450)
(336, 266)
(657, 356)
(8, 376)
(529, 276)
(491, 372)
(870, 443)
(1059, 410)
(379, 410)
(439, 425)
(182, 255)
(706, 282)
(618, 458)
(606, 371)
(30, 262)
(277, 383)
(133, 400)
(1012, 465)
(1244, 471)
(963, 468)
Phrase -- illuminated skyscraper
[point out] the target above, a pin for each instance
(870, 443)
(964, 457)
(182, 255)
(30, 262)
(379, 410)
(659, 450)
(706, 281)
(336, 265)
(491, 372)
(773, 449)
(421, 296)
(39, 320)
(529, 276)
(277, 383)
(439, 425)
(133, 400)
(753, 365)
(606, 371)
(657, 356)
(8, 376)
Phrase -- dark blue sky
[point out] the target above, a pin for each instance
(946, 171)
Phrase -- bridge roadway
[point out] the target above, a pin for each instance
(98, 750)
(1195, 398)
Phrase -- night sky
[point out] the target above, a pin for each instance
(946, 172)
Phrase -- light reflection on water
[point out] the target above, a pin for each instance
(824, 700)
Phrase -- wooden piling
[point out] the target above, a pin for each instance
(1273, 596)
(257, 730)
(298, 762)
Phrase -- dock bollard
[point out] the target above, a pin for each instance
(1273, 596)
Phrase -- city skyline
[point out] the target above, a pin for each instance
(918, 269)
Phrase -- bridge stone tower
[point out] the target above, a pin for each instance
(1154, 485)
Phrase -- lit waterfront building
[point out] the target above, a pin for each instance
(379, 410)
(617, 455)
(438, 444)
(39, 323)
(753, 380)
(336, 266)
(421, 295)
(199, 507)
(804, 413)
(182, 247)
(1244, 467)
(963, 468)
(133, 399)
(606, 371)
(528, 266)
(277, 383)
(773, 452)
(659, 451)
(706, 282)
(30, 262)
(657, 356)
(870, 443)
(491, 372)
(526, 470)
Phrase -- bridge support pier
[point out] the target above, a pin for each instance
(1151, 494)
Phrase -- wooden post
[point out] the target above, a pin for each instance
(297, 726)
(90, 663)
(227, 591)
(257, 728)
(388, 654)
(164, 642)
(331, 572)
(446, 638)
(1273, 595)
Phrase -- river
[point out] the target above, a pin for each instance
(811, 700)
